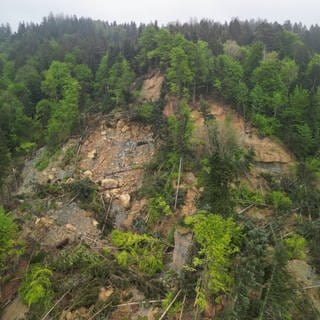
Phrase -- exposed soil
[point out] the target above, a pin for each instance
(266, 150)
(151, 88)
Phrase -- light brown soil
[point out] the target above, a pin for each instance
(266, 150)
(151, 88)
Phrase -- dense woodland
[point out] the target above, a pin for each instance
(55, 75)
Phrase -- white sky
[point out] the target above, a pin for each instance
(307, 11)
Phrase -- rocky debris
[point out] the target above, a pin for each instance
(80, 219)
(105, 294)
(151, 87)
(80, 314)
(306, 276)
(134, 311)
(182, 248)
(189, 183)
(54, 172)
(136, 208)
(303, 273)
(119, 213)
(62, 226)
(16, 310)
(121, 149)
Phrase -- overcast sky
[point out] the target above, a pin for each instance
(306, 11)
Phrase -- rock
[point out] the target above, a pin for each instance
(182, 248)
(103, 133)
(69, 316)
(125, 129)
(92, 154)
(69, 180)
(75, 217)
(125, 200)
(119, 213)
(15, 310)
(105, 294)
(88, 174)
(70, 227)
(190, 179)
(109, 183)
(45, 221)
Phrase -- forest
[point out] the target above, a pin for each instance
(252, 221)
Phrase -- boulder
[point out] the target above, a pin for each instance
(183, 244)
(109, 183)
(125, 200)
(88, 174)
(92, 154)
(105, 294)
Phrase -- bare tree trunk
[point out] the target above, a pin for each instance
(178, 185)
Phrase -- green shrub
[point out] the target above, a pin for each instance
(245, 196)
(218, 239)
(280, 201)
(157, 209)
(143, 251)
(9, 245)
(143, 112)
(266, 126)
(43, 162)
(36, 288)
(69, 155)
(296, 246)
(80, 258)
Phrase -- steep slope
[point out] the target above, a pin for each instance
(112, 155)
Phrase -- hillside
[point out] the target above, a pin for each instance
(160, 180)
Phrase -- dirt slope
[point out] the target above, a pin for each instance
(151, 88)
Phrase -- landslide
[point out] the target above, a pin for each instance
(112, 155)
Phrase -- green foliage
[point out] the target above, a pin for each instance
(228, 73)
(69, 155)
(143, 113)
(250, 272)
(218, 238)
(246, 196)
(266, 126)
(120, 78)
(295, 246)
(143, 251)
(157, 209)
(43, 161)
(179, 75)
(310, 232)
(36, 288)
(280, 201)
(63, 90)
(226, 162)
(5, 159)
(180, 128)
(77, 258)
(175, 308)
(9, 244)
